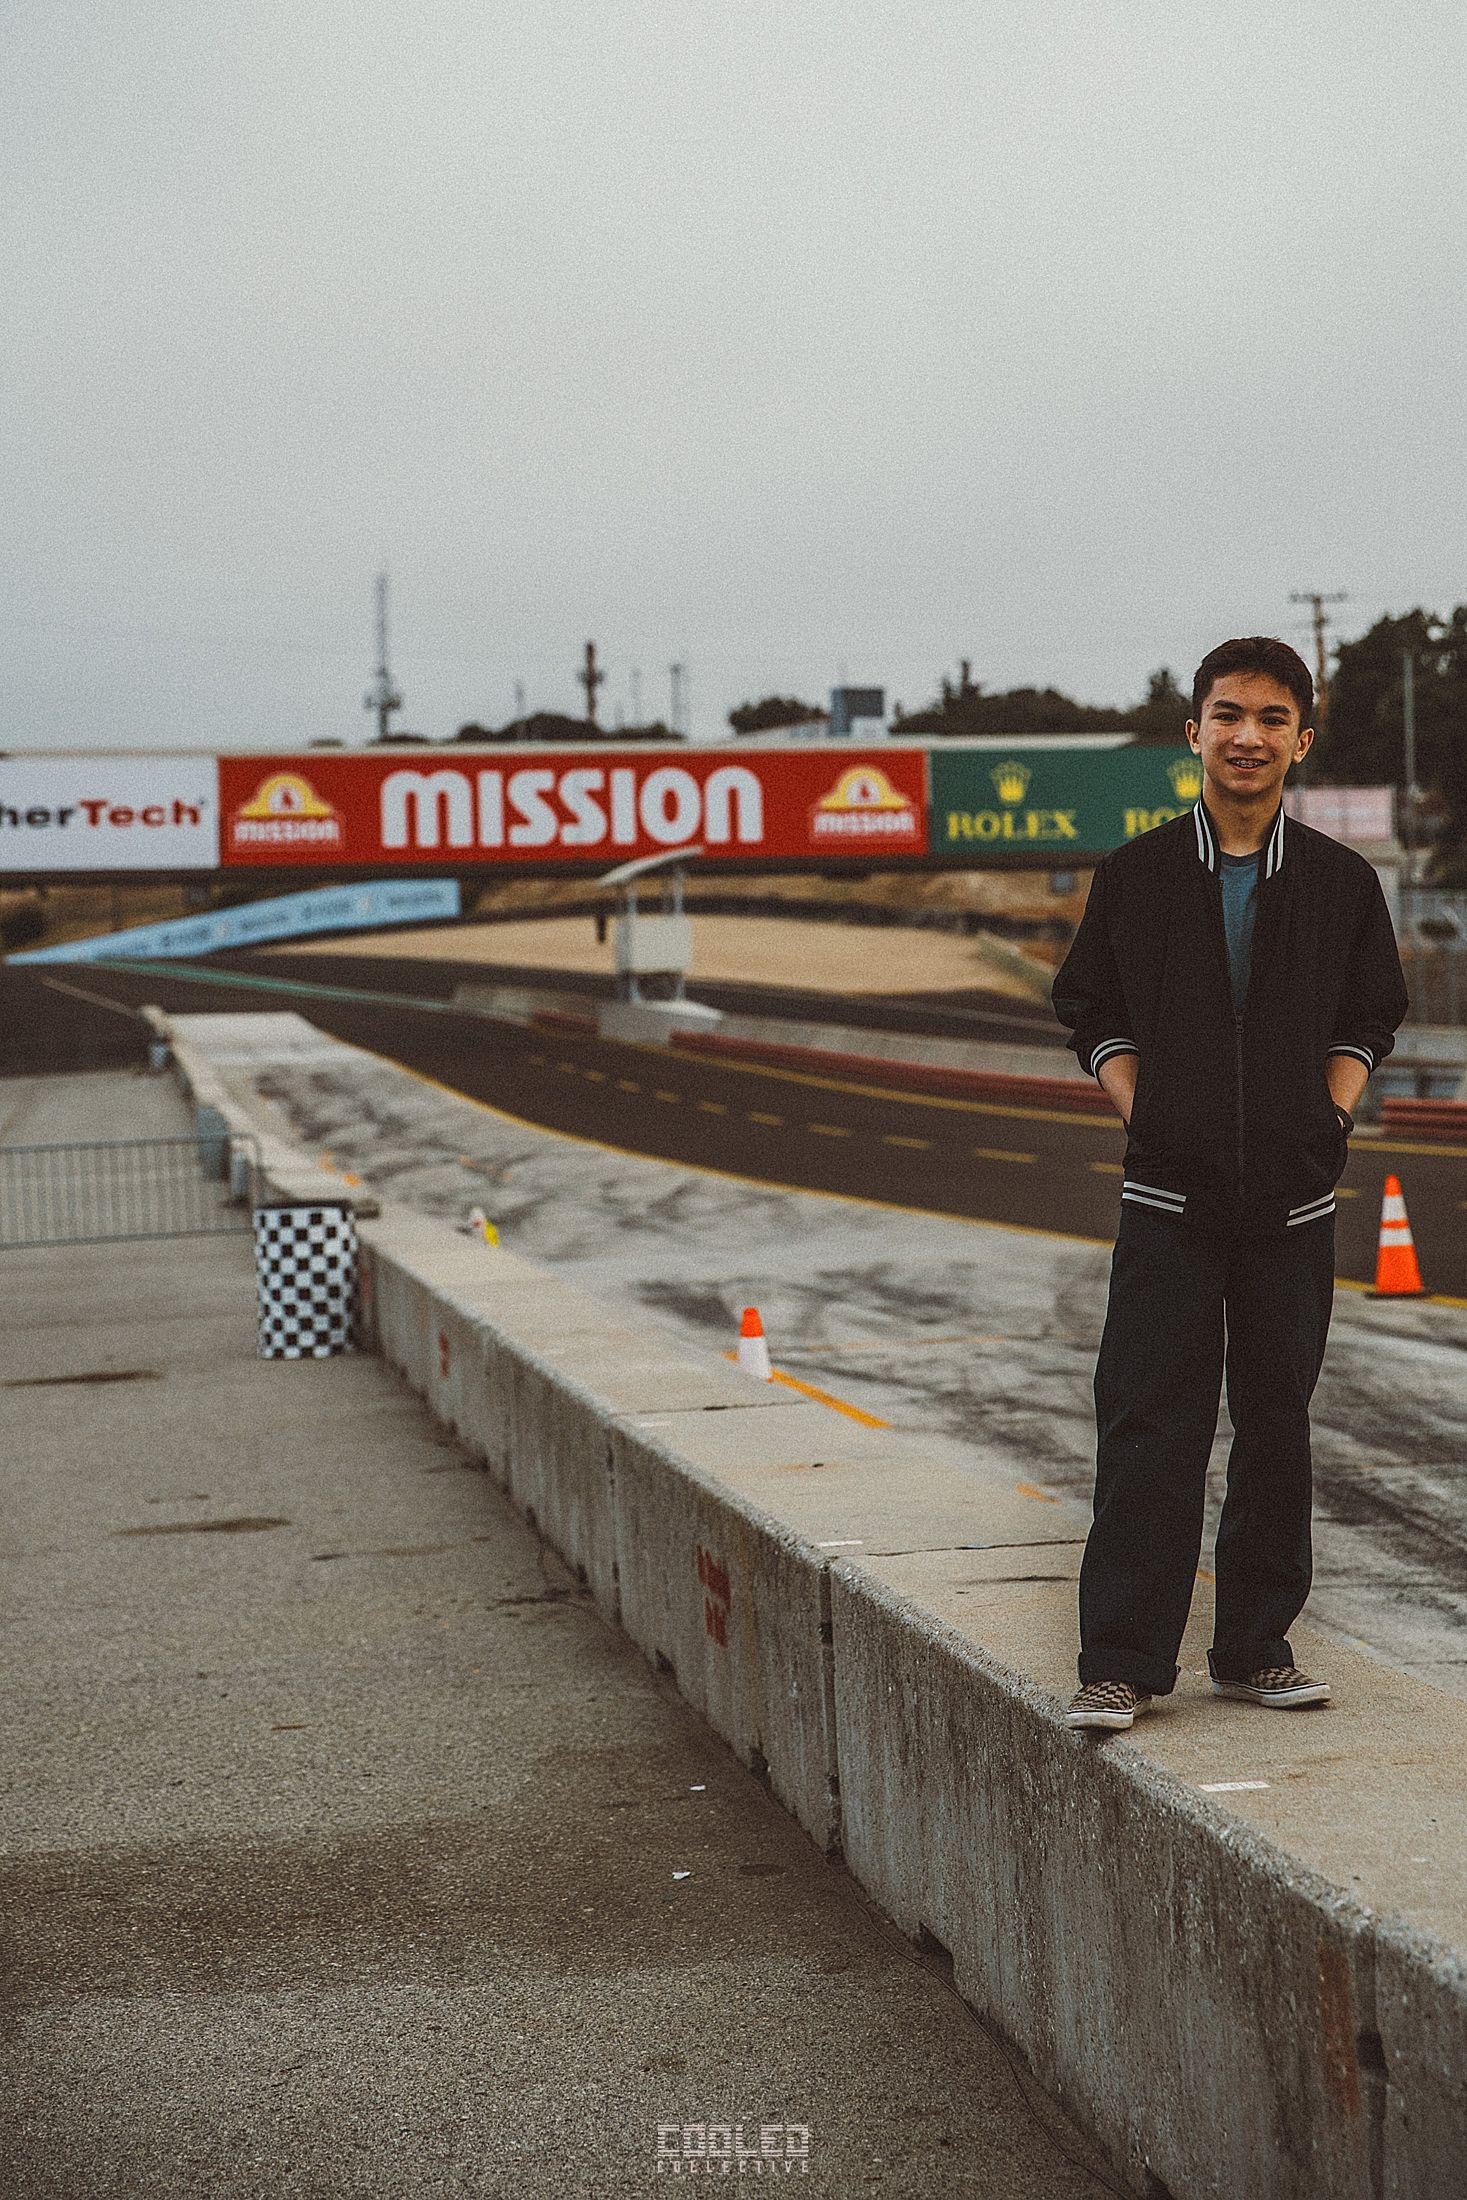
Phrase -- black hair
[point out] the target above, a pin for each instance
(1256, 653)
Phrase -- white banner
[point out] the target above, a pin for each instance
(100, 813)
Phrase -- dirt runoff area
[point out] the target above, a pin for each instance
(777, 951)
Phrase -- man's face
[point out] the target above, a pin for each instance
(1249, 736)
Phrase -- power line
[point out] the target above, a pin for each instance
(1317, 600)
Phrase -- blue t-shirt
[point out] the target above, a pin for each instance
(1240, 907)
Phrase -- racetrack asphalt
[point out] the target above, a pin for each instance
(979, 1338)
(986, 1160)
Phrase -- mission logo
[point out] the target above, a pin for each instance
(285, 811)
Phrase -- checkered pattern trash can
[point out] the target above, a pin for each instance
(306, 1276)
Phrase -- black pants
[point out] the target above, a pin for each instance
(1184, 1303)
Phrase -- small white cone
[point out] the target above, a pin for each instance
(754, 1347)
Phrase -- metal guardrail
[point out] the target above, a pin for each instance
(1437, 980)
(103, 1191)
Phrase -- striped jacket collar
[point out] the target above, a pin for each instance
(1209, 851)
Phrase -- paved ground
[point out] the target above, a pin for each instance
(984, 1337)
(345, 1849)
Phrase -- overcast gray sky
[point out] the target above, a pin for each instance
(796, 339)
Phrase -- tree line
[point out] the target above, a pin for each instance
(964, 710)
(1363, 742)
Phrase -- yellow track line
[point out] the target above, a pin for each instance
(917, 1099)
(822, 1397)
(866, 1091)
(1398, 1145)
(984, 1107)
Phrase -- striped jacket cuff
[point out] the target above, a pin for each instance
(1105, 1048)
(1356, 1053)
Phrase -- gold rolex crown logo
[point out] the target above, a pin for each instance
(1012, 781)
(1186, 778)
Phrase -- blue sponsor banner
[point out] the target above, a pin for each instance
(285, 917)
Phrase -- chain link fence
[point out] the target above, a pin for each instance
(1434, 954)
(113, 1190)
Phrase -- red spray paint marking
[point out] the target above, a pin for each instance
(1337, 2029)
(720, 1595)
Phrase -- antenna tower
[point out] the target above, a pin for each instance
(591, 679)
(382, 697)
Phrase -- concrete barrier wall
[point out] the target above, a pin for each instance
(1421, 2016)
(1227, 2022)
(1191, 1994)
(735, 1606)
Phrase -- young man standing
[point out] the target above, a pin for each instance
(1233, 982)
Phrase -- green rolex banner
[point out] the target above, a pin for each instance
(1066, 805)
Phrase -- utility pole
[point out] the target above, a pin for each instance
(636, 695)
(1408, 729)
(591, 679)
(1317, 602)
(519, 702)
(382, 698)
(679, 675)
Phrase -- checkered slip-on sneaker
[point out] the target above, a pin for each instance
(1114, 1704)
(1281, 1687)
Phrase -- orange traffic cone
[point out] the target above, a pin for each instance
(1396, 1273)
(754, 1347)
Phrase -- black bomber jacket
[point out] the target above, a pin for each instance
(1233, 1120)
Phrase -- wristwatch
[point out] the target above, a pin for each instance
(1345, 1117)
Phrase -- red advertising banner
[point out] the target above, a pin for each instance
(590, 806)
